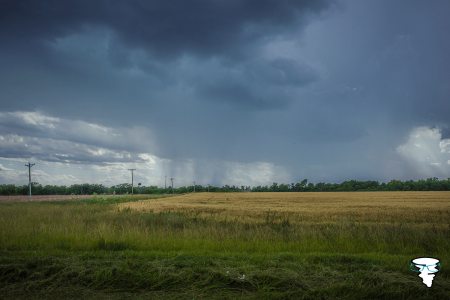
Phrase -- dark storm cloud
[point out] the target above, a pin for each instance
(257, 84)
(283, 72)
(445, 133)
(398, 64)
(61, 46)
(164, 28)
(326, 93)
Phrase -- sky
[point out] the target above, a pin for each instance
(237, 92)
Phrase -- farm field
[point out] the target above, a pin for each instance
(347, 245)
(415, 208)
(39, 198)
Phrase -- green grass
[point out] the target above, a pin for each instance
(161, 275)
(93, 249)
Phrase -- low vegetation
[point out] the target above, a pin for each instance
(288, 245)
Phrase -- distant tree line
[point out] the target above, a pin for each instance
(430, 184)
(38, 189)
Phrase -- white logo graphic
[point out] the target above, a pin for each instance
(428, 267)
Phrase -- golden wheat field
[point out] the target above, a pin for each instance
(414, 208)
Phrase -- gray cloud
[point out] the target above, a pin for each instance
(258, 84)
(445, 133)
(322, 90)
(46, 138)
(282, 72)
(164, 28)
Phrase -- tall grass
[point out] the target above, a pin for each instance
(91, 225)
(176, 248)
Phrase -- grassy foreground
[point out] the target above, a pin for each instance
(199, 246)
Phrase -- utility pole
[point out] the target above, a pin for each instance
(194, 186)
(131, 180)
(172, 185)
(29, 173)
(208, 187)
(165, 178)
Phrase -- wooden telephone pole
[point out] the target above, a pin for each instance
(29, 174)
(132, 192)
